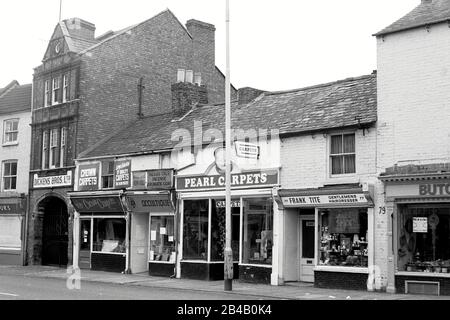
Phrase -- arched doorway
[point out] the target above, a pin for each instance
(55, 232)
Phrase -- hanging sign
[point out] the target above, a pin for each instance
(420, 225)
(160, 179)
(122, 174)
(247, 150)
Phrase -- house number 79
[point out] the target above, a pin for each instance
(382, 210)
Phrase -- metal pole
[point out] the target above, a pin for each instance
(60, 9)
(228, 254)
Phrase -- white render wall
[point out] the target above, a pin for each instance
(20, 152)
(413, 115)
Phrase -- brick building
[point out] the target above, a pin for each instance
(86, 88)
(413, 151)
(15, 131)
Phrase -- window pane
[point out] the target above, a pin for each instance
(109, 235)
(343, 235)
(336, 144)
(195, 235)
(350, 164)
(15, 125)
(13, 137)
(139, 180)
(349, 143)
(257, 231)
(7, 169)
(13, 183)
(337, 165)
(218, 231)
(162, 245)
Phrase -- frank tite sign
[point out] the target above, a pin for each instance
(238, 180)
(53, 181)
(88, 177)
(311, 201)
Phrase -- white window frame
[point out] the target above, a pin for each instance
(329, 155)
(65, 88)
(55, 88)
(47, 93)
(53, 147)
(45, 135)
(63, 149)
(4, 163)
(7, 132)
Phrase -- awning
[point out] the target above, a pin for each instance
(104, 203)
(12, 205)
(150, 202)
(327, 197)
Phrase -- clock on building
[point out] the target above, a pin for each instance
(58, 47)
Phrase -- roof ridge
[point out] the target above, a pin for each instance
(321, 85)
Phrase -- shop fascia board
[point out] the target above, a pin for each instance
(415, 177)
(83, 194)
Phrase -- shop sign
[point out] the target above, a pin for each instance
(420, 225)
(98, 204)
(160, 179)
(122, 174)
(149, 203)
(341, 199)
(247, 150)
(10, 206)
(238, 180)
(88, 177)
(222, 204)
(53, 181)
(434, 189)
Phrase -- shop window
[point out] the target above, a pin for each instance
(257, 231)
(9, 175)
(424, 238)
(11, 131)
(162, 242)
(343, 237)
(109, 235)
(218, 231)
(195, 234)
(342, 154)
(107, 174)
(10, 231)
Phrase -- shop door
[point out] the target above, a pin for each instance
(55, 238)
(306, 248)
(85, 244)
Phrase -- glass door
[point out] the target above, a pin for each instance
(85, 244)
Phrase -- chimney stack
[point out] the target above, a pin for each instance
(80, 28)
(186, 95)
(247, 94)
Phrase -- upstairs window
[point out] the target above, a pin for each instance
(53, 147)
(55, 91)
(45, 136)
(107, 174)
(62, 160)
(65, 93)
(342, 154)
(48, 95)
(11, 131)
(9, 175)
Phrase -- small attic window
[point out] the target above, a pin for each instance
(181, 75)
(190, 76)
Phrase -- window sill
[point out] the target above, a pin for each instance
(10, 144)
(161, 262)
(342, 179)
(423, 274)
(342, 269)
(268, 266)
(111, 253)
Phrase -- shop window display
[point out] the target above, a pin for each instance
(195, 233)
(218, 231)
(109, 235)
(424, 238)
(162, 242)
(10, 230)
(343, 234)
(257, 231)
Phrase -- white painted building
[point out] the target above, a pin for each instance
(15, 131)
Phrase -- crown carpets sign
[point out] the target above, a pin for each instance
(238, 180)
(52, 181)
(88, 177)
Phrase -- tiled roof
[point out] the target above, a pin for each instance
(16, 100)
(426, 13)
(339, 104)
(9, 86)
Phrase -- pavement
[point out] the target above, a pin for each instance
(290, 291)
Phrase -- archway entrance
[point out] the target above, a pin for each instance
(55, 232)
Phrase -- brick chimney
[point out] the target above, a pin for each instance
(186, 95)
(80, 28)
(247, 94)
(203, 50)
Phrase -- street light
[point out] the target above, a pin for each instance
(228, 254)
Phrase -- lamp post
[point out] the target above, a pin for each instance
(228, 254)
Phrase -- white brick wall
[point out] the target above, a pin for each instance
(20, 152)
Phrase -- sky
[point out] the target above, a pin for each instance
(275, 45)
